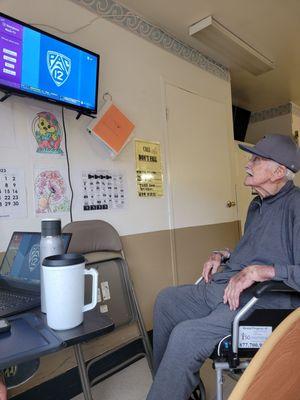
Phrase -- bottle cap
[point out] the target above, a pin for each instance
(51, 227)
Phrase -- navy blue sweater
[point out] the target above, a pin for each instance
(272, 237)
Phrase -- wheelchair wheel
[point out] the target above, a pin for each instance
(16, 375)
(199, 393)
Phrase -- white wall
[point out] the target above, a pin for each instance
(133, 71)
(243, 192)
(281, 124)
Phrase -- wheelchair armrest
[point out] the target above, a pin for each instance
(271, 286)
(258, 291)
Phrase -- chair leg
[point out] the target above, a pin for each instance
(85, 383)
(143, 331)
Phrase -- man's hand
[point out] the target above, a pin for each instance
(3, 391)
(211, 266)
(244, 279)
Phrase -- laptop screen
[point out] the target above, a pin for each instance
(21, 262)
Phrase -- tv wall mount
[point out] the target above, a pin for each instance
(5, 96)
(8, 94)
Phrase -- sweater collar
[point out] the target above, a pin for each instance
(282, 192)
(258, 201)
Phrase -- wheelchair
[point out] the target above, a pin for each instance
(234, 352)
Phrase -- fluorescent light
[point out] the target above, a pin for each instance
(233, 49)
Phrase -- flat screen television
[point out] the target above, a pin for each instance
(37, 64)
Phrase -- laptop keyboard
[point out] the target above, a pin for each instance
(9, 300)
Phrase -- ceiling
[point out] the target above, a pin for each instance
(270, 26)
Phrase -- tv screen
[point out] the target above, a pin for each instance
(43, 66)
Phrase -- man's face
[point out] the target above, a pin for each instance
(259, 171)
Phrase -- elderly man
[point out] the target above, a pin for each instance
(189, 320)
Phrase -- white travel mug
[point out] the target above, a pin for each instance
(64, 290)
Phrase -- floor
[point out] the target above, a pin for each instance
(132, 383)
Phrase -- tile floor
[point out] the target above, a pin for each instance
(132, 383)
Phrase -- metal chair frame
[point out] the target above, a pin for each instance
(108, 241)
(137, 317)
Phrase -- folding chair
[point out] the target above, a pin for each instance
(101, 245)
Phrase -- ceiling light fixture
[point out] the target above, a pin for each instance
(230, 47)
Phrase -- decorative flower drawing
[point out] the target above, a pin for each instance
(51, 193)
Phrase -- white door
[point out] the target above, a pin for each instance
(199, 142)
(244, 193)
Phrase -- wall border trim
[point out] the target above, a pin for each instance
(122, 16)
(269, 113)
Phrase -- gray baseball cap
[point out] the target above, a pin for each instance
(279, 148)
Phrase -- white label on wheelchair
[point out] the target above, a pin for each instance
(253, 337)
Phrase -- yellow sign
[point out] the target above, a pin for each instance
(148, 169)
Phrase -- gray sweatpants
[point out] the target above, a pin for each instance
(189, 321)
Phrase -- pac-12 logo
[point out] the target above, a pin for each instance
(59, 67)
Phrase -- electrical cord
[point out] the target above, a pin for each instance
(68, 163)
(68, 32)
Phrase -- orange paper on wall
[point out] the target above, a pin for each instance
(113, 128)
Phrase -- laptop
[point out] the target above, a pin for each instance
(20, 273)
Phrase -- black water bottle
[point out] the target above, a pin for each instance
(51, 245)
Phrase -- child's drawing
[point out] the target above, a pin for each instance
(51, 192)
(47, 132)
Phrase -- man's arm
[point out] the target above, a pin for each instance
(244, 279)
(290, 274)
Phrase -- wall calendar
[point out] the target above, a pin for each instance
(12, 193)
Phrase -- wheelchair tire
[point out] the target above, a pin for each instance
(202, 390)
(199, 393)
(16, 375)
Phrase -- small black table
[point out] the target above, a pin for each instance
(31, 338)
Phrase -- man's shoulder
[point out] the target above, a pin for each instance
(293, 198)
(295, 192)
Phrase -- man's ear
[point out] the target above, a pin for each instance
(279, 173)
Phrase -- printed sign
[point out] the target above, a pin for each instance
(113, 128)
(148, 169)
(253, 336)
(102, 190)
